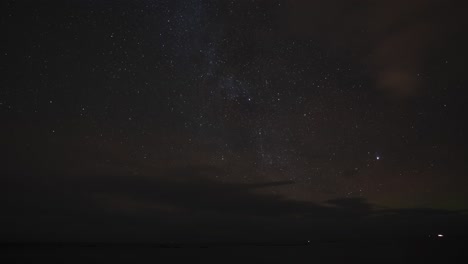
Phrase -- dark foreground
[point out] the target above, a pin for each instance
(416, 251)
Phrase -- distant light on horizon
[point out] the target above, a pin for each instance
(440, 235)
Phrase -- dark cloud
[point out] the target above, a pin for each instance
(183, 205)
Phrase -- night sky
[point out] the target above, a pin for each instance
(244, 120)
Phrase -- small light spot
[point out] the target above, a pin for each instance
(440, 235)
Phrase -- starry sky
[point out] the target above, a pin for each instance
(201, 119)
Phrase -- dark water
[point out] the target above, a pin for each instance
(324, 252)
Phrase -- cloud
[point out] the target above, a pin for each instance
(186, 205)
(394, 39)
